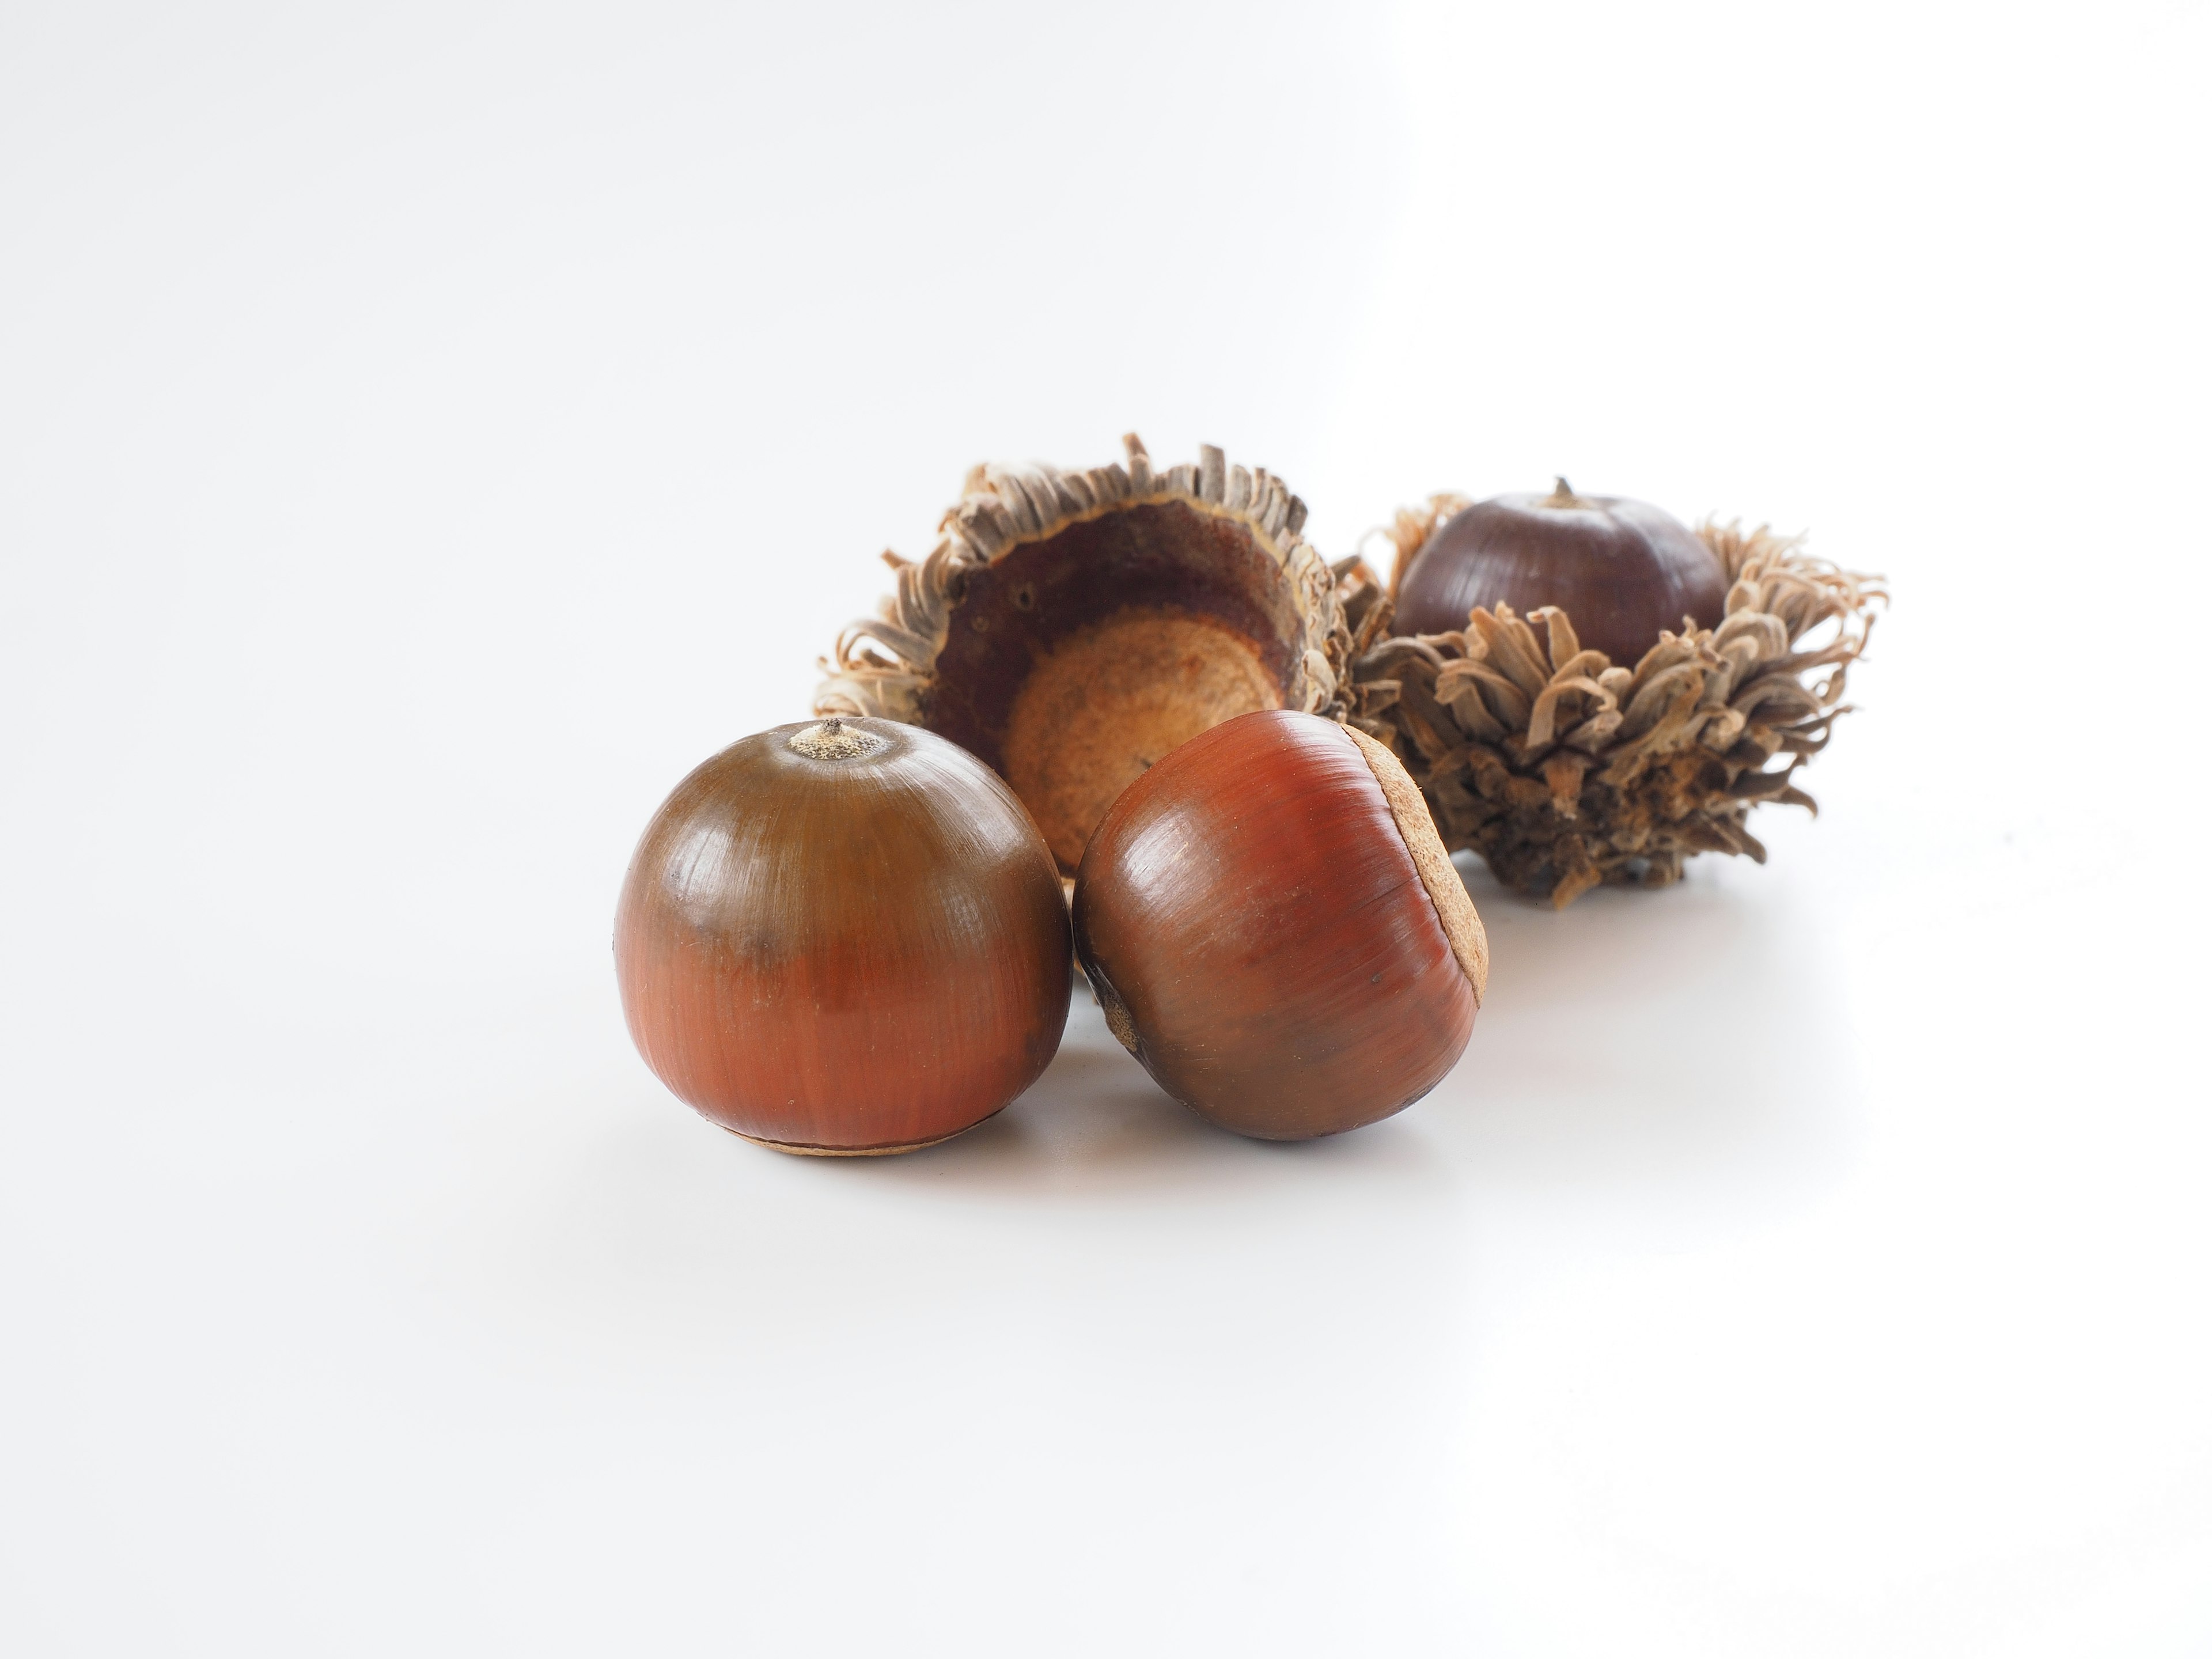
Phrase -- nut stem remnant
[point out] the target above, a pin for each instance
(834, 741)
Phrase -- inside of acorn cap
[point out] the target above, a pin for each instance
(1074, 663)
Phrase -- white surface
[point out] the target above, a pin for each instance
(425, 433)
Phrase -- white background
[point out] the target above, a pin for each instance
(426, 432)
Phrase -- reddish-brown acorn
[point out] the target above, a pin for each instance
(844, 937)
(1275, 931)
(1621, 569)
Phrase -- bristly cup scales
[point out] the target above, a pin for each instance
(1564, 771)
(1071, 628)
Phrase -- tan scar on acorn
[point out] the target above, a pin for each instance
(1682, 679)
(1071, 629)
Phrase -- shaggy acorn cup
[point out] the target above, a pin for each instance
(1623, 569)
(1608, 748)
(1276, 932)
(1071, 629)
(842, 937)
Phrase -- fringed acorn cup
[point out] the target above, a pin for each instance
(1560, 768)
(1071, 629)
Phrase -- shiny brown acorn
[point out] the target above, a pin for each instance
(1622, 570)
(1275, 931)
(844, 937)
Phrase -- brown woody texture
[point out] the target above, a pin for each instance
(1564, 771)
(1072, 627)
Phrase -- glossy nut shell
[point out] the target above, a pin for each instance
(844, 937)
(1276, 930)
(1621, 569)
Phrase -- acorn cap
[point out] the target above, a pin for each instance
(1071, 629)
(1564, 770)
